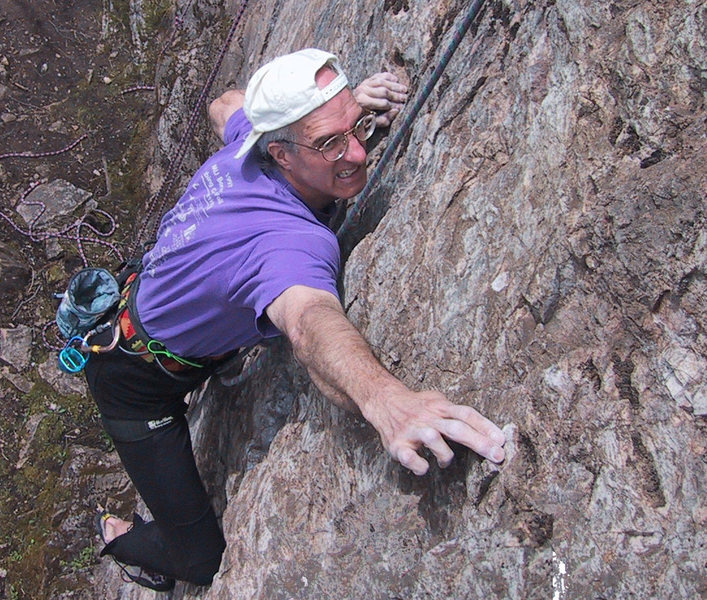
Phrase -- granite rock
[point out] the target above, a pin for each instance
(537, 250)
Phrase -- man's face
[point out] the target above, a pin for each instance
(317, 180)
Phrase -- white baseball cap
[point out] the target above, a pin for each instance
(284, 90)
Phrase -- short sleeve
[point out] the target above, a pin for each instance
(279, 262)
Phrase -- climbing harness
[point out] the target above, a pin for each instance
(158, 349)
(74, 317)
(137, 342)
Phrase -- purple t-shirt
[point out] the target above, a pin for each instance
(237, 239)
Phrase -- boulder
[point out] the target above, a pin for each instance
(47, 202)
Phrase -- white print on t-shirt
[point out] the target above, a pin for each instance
(214, 185)
(189, 232)
(181, 226)
(193, 209)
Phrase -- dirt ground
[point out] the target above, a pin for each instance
(65, 66)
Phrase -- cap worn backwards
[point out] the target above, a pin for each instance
(284, 90)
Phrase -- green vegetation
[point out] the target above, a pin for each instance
(156, 15)
(39, 428)
(85, 559)
(31, 493)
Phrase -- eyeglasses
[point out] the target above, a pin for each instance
(335, 147)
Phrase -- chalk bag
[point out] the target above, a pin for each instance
(92, 292)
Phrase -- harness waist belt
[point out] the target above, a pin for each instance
(137, 341)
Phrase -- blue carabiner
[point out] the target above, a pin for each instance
(71, 360)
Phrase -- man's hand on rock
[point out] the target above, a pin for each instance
(408, 421)
(384, 94)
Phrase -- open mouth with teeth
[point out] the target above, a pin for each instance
(347, 173)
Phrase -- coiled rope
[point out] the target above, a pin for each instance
(354, 214)
(76, 227)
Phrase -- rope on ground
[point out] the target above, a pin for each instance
(354, 215)
(158, 201)
(43, 154)
(138, 88)
(70, 232)
(77, 226)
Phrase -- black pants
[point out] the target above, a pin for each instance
(184, 541)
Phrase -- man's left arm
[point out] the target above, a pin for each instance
(342, 365)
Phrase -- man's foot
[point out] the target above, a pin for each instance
(110, 527)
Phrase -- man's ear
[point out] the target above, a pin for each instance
(280, 154)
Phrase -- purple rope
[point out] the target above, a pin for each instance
(157, 202)
(43, 154)
(138, 88)
(58, 342)
(178, 24)
(76, 227)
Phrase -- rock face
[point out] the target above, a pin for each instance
(537, 250)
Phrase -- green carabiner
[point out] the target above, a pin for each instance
(164, 352)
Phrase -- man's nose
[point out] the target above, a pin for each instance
(355, 151)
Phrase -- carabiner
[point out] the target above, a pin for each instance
(71, 360)
(86, 347)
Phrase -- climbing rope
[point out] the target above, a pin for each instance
(354, 215)
(178, 25)
(44, 154)
(138, 88)
(158, 201)
(66, 233)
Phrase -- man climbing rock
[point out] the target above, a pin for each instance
(245, 255)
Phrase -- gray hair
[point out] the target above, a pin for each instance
(284, 134)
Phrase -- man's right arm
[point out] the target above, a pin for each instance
(342, 365)
(221, 109)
